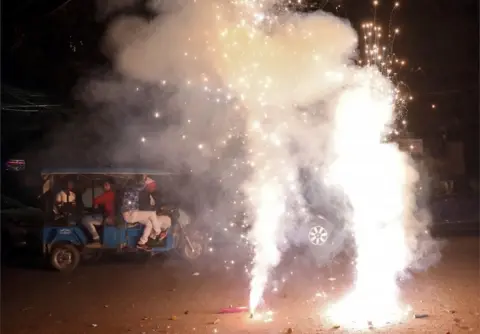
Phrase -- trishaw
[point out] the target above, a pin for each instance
(66, 241)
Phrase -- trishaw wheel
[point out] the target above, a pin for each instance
(64, 257)
(196, 249)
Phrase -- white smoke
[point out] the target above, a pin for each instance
(260, 94)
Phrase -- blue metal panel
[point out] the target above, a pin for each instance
(69, 234)
(133, 234)
(113, 236)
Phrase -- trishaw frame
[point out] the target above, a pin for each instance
(74, 234)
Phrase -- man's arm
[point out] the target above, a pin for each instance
(58, 198)
(58, 203)
(99, 200)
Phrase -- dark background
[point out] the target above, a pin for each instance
(49, 45)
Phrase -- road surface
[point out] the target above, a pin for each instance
(168, 296)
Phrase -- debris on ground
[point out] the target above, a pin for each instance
(421, 316)
(173, 317)
(105, 306)
(336, 327)
(196, 274)
(466, 328)
(186, 312)
(232, 309)
(94, 325)
(289, 330)
(215, 322)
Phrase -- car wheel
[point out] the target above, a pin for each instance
(318, 235)
(64, 257)
(325, 240)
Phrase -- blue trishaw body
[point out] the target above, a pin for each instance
(112, 237)
(121, 236)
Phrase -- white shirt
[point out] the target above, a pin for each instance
(63, 197)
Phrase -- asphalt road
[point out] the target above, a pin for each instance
(166, 295)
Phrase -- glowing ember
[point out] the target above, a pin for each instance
(266, 316)
(359, 310)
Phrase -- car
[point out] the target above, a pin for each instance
(20, 225)
(455, 212)
(326, 231)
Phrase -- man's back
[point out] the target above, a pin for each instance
(66, 197)
(107, 199)
(65, 202)
(130, 199)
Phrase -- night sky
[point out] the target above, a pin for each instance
(49, 45)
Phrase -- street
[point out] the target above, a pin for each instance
(166, 295)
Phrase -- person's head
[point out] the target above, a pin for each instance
(70, 185)
(107, 186)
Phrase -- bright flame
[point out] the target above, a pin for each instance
(270, 208)
(266, 316)
(374, 176)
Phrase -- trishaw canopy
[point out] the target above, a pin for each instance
(93, 173)
(104, 171)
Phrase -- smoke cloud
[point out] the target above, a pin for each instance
(211, 73)
(245, 99)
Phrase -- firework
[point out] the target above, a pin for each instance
(377, 49)
(255, 76)
(379, 188)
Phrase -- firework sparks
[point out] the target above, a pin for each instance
(238, 59)
(376, 179)
(377, 48)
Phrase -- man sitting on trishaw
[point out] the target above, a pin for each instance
(155, 226)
